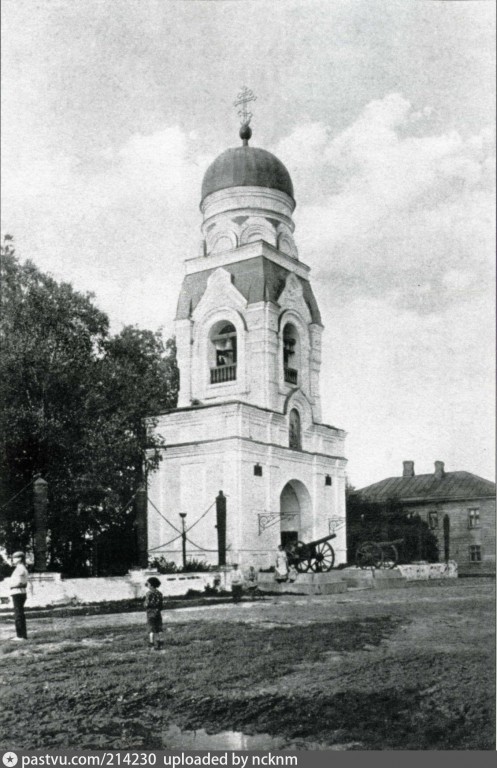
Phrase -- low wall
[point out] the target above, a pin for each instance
(424, 571)
(359, 578)
(329, 583)
(46, 589)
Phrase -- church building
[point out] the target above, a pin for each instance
(248, 422)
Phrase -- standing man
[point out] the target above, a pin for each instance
(18, 585)
(236, 584)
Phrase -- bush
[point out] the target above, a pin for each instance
(192, 566)
(163, 565)
(198, 565)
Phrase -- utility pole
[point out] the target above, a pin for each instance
(183, 537)
(221, 527)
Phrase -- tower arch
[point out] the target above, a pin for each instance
(295, 512)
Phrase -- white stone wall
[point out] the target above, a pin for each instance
(213, 449)
(51, 590)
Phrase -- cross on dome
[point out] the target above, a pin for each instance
(245, 96)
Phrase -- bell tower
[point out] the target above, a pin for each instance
(247, 324)
(248, 337)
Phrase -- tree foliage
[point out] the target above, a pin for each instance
(75, 399)
(388, 521)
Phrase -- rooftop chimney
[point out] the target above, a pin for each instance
(408, 469)
(439, 470)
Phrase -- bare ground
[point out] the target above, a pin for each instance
(400, 669)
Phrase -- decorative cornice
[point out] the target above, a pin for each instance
(244, 253)
(241, 438)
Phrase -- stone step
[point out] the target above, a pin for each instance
(303, 588)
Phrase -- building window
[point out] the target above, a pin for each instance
(258, 470)
(433, 520)
(473, 518)
(327, 480)
(290, 354)
(295, 440)
(223, 353)
(475, 553)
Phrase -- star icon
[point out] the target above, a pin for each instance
(10, 759)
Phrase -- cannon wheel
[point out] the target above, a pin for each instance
(390, 556)
(304, 564)
(323, 558)
(369, 555)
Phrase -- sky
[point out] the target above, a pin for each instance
(383, 113)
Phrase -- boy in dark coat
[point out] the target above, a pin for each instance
(153, 605)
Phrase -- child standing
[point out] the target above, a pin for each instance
(153, 604)
(252, 581)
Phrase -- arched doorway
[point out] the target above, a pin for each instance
(295, 512)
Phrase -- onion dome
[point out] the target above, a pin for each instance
(246, 167)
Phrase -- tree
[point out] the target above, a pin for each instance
(387, 521)
(75, 399)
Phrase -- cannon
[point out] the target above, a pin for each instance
(378, 554)
(317, 556)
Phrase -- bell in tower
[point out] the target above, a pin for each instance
(248, 336)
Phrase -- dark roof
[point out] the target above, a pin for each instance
(257, 279)
(453, 485)
(246, 167)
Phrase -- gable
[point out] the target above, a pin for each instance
(257, 279)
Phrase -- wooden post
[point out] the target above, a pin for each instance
(221, 527)
(183, 537)
(40, 502)
(141, 526)
(446, 538)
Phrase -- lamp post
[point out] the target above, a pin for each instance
(183, 537)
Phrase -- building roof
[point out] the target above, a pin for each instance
(257, 279)
(452, 485)
(246, 167)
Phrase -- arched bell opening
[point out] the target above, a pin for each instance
(222, 352)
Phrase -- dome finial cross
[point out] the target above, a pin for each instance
(244, 97)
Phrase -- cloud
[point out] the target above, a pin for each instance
(391, 207)
(396, 218)
(119, 225)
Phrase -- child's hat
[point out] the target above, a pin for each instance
(153, 581)
(18, 554)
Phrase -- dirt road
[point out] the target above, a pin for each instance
(399, 669)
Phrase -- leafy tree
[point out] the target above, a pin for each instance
(387, 521)
(75, 399)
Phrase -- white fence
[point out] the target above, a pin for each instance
(46, 589)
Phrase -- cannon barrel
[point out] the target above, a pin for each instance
(320, 541)
(387, 543)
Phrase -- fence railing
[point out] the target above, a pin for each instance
(291, 375)
(223, 373)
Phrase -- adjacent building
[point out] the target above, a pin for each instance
(248, 422)
(458, 507)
